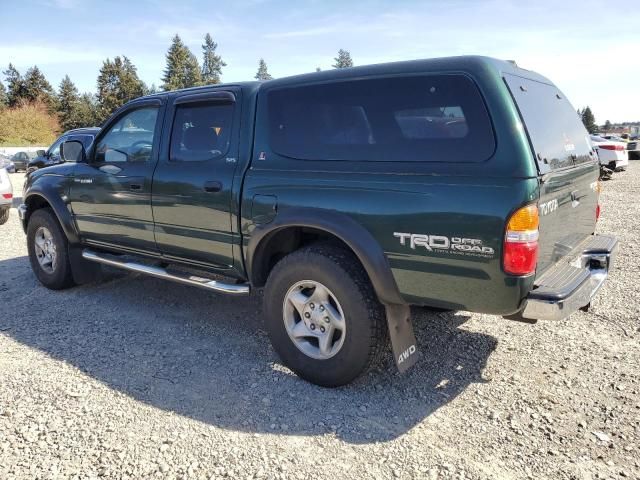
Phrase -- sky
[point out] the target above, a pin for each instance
(589, 48)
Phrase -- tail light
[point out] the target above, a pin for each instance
(7, 195)
(618, 148)
(520, 253)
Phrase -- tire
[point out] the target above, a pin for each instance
(58, 275)
(4, 216)
(365, 336)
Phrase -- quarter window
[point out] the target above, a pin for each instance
(130, 139)
(201, 131)
(434, 118)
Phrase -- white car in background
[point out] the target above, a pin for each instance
(6, 196)
(612, 154)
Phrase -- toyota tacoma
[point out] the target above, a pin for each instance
(462, 183)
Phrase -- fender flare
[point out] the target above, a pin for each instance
(359, 240)
(59, 207)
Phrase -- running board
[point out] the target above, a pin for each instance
(194, 281)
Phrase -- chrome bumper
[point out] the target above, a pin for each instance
(567, 287)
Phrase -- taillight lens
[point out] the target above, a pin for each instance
(520, 254)
(597, 212)
(612, 147)
(7, 195)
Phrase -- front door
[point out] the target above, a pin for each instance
(192, 185)
(111, 191)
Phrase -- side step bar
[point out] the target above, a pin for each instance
(194, 281)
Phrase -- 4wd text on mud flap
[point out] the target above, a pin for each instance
(406, 354)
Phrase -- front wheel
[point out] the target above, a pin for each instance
(48, 250)
(323, 317)
(4, 216)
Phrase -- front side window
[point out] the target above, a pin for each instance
(430, 118)
(130, 139)
(54, 151)
(201, 131)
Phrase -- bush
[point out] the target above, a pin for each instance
(29, 124)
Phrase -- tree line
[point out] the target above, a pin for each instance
(589, 121)
(118, 82)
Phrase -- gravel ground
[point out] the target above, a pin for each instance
(133, 377)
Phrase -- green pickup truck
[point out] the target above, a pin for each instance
(461, 183)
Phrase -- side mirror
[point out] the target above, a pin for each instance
(40, 153)
(73, 151)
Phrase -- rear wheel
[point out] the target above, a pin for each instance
(323, 317)
(48, 250)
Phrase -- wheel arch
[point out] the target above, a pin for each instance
(295, 227)
(38, 199)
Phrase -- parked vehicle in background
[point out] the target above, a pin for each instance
(633, 150)
(612, 154)
(6, 163)
(614, 138)
(6, 195)
(21, 161)
(52, 155)
(348, 195)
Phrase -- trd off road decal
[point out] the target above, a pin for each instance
(439, 243)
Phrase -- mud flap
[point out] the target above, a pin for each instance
(403, 340)
(83, 272)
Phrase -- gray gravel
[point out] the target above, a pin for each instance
(132, 377)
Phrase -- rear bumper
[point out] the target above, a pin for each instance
(567, 287)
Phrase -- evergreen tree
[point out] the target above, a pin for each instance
(212, 63)
(150, 90)
(86, 114)
(182, 70)
(607, 126)
(38, 89)
(15, 85)
(263, 73)
(68, 100)
(193, 74)
(343, 60)
(118, 83)
(4, 99)
(589, 120)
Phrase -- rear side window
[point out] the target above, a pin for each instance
(201, 132)
(557, 134)
(434, 118)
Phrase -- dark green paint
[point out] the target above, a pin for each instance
(174, 217)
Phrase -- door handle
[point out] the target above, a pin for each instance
(212, 187)
(135, 186)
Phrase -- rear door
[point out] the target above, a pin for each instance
(567, 164)
(192, 185)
